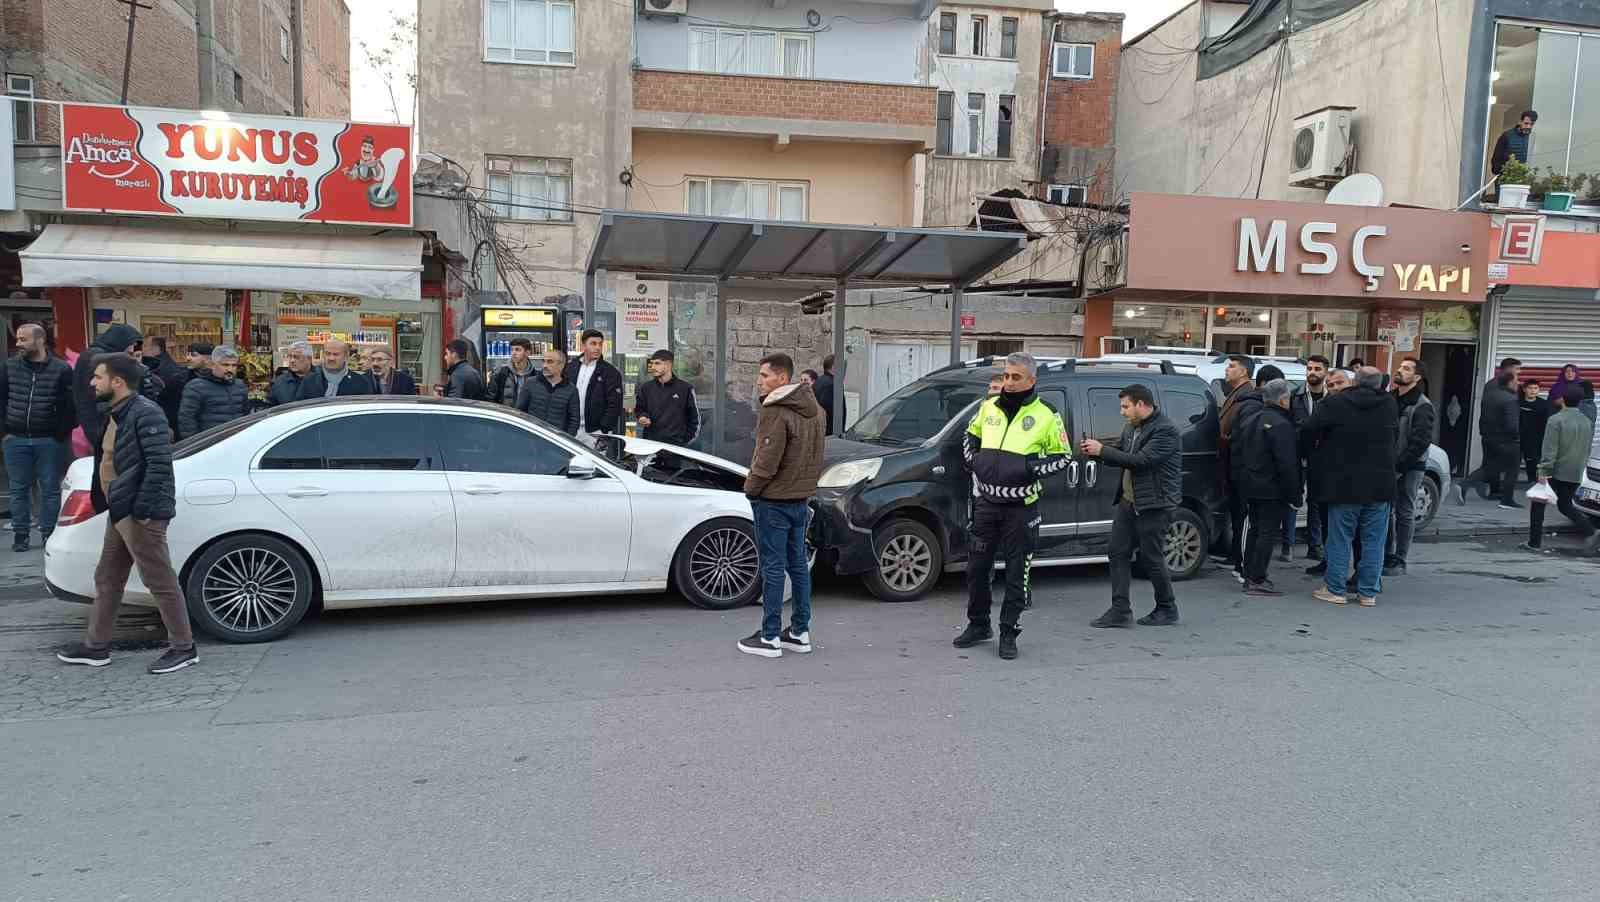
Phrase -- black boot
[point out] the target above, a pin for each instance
(973, 634)
(1008, 643)
(1163, 615)
(1318, 569)
(1113, 618)
(1313, 552)
(19, 542)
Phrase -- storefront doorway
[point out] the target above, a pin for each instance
(1229, 341)
(1452, 367)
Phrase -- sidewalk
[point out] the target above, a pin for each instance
(1485, 518)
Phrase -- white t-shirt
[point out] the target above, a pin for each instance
(585, 373)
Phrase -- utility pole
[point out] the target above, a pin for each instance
(127, 58)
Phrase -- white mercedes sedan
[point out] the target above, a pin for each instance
(361, 502)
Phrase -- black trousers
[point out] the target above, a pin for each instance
(1004, 531)
(1499, 470)
(1237, 510)
(1145, 531)
(1564, 493)
(1266, 531)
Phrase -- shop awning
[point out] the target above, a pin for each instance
(95, 256)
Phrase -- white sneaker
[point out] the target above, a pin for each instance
(753, 644)
(792, 641)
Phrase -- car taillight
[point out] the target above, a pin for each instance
(75, 508)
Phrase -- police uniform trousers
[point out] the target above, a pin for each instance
(1004, 532)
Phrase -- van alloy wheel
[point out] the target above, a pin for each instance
(1183, 545)
(905, 562)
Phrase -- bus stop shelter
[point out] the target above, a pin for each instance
(806, 256)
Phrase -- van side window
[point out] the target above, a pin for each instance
(1187, 410)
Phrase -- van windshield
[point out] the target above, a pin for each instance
(916, 412)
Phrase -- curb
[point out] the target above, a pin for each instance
(1474, 532)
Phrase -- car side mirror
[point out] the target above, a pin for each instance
(578, 468)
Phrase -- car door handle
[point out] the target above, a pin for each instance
(938, 471)
(306, 491)
(1090, 472)
(481, 490)
(1072, 474)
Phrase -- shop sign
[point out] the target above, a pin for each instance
(233, 166)
(642, 328)
(1453, 322)
(1400, 330)
(969, 322)
(1257, 252)
(531, 318)
(1521, 239)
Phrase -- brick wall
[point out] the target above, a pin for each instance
(327, 59)
(783, 98)
(1081, 114)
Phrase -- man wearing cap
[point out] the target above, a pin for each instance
(213, 396)
(665, 405)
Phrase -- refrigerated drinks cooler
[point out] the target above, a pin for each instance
(543, 326)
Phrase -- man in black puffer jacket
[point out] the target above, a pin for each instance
(171, 373)
(212, 397)
(550, 397)
(36, 396)
(119, 338)
(133, 483)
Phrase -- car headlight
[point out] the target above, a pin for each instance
(849, 473)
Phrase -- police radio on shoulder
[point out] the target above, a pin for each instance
(849, 473)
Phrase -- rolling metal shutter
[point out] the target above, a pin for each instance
(1547, 330)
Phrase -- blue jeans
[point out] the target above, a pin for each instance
(1313, 522)
(1288, 526)
(30, 460)
(1346, 522)
(781, 546)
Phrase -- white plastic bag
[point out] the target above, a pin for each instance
(1541, 493)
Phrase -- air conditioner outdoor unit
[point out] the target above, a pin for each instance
(664, 7)
(1322, 142)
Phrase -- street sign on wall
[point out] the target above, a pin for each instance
(231, 166)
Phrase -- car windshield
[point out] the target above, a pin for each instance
(916, 412)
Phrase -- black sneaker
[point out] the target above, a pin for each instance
(1394, 568)
(1238, 574)
(1113, 619)
(1265, 588)
(1008, 644)
(175, 659)
(789, 640)
(1287, 554)
(1161, 616)
(973, 634)
(1317, 569)
(753, 644)
(1314, 552)
(83, 654)
(20, 542)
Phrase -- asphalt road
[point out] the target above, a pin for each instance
(1442, 746)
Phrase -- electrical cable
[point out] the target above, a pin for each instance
(1260, 92)
(1272, 116)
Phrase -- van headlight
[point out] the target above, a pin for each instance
(849, 473)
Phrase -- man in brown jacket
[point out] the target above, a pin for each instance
(783, 477)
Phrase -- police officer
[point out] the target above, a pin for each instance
(1014, 441)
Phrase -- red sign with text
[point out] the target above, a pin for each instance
(227, 166)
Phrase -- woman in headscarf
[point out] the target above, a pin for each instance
(1570, 375)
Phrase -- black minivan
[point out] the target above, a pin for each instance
(894, 500)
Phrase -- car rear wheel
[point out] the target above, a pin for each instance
(249, 588)
(1427, 501)
(907, 561)
(1185, 544)
(716, 566)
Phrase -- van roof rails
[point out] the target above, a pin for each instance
(1070, 364)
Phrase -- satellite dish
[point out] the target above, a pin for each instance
(1360, 190)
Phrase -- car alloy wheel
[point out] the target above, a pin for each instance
(905, 562)
(722, 565)
(249, 590)
(1183, 545)
(1427, 502)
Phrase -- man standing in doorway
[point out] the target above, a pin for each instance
(1013, 443)
(214, 397)
(1500, 427)
(783, 477)
(824, 390)
(666, 408)
(297, 363)
(334, 378)
(1151, 458)
(1416, 434)
(1269, 481)
(599, 386)
(1243, 403)
(461, 379)
(1354, 437)
(36, 397)
(1516, 141)
(133, 482)
(508, 380)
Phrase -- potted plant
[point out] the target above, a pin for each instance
(1515, 179)
(1558, 193)
(1587, 187)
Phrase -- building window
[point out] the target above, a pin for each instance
(530, 188)
(746, 199)
(947, 113)
(238, 87)
(975, 124)
(283, 43)
(1002, 135)
(1554, 73)
(21, 87)
(1072, 61)
(729, 51)
(947, 33)
(980, 35)
(528, 31)
(1008, 38)
(1071, 195)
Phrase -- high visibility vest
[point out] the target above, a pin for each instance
(1003, 446)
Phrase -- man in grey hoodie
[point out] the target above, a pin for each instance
(1567, 439)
